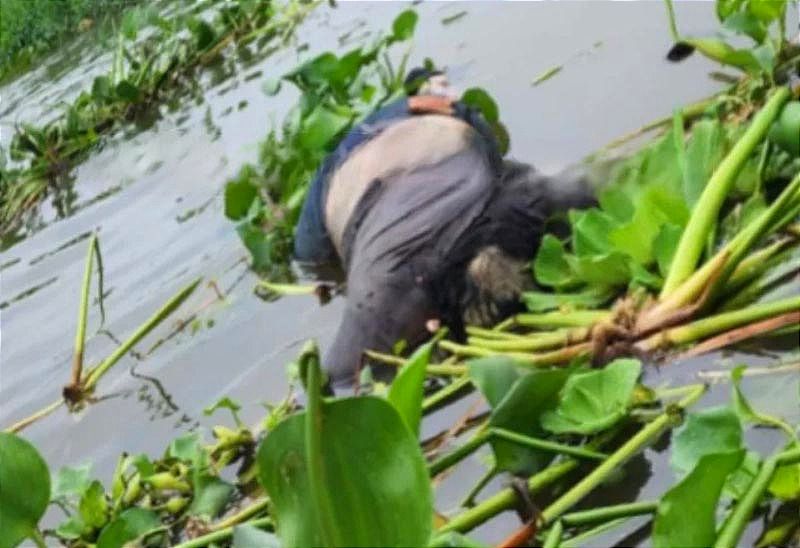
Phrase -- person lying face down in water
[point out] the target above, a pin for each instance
(430, 224)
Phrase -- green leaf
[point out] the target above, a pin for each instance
(723, 53)
(71, 481)
(372, 466)
(211, 494)
(595, 400)
(405, 393)
(494, 377)
(404, 25)
(204, 33)
(239, 196)
(101, 89)
(127, 91)
(665, 244)
(766, 10)
(725, 8)
(225, 403)
(712, 430)
(551, 266)
(520, 410)
(72, 528)
(686, 513)
(24, 489)
(479, 98)
(611, 269)
(93, 506)
(785, 483)
(740, 479)
(130, 525)
(593, 297)
(590, 230)
(249, 536)
(785, 132)
(320, 128)
(746, 23)
(257, 243)
(704, 151)
(186, 448)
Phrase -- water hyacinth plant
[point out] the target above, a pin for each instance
(156, 60)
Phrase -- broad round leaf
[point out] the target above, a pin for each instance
(404, 25)
(24, 489)
(712, 430)
(373, 474)
(129, 525)
(686, 513)
(596, 400)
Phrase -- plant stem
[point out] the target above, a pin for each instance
(607, 513)
(502, 434)
(152, 322)
(556, 357)
(538, 341)
(545, 445)
(320, 498)
(222, 534)
(453, 390)
(733, 527)
(41, 413)
(754, 265)
(743, 333)
(491, 333)
(625, 452)
(506, 498)
(553, 539)
(469, 500)
(580, 540)
(83, 310)
(718, 323)
(243, 515)
(578, 318)
(716, 191)
(673, 26)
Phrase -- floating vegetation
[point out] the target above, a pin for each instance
(145, 73)
(693, 240)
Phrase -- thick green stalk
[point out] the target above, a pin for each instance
(95, 374)
(553, 539)
(625, 452)
(320, 498)
(608, 513)
(554, 357)
(493, 334)
(578, 318)
(538, 341)
(755, 265)
(83, 311)
(223, 534)
(716, 191)
(733, 527)
(719, 323)
(450, 392)
(755, 231)
(506, 498)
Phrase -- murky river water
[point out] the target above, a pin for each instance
(154, 197)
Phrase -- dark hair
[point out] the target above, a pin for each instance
(417, 77)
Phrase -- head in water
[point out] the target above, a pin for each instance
(429, 81)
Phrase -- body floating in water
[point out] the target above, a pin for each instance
(430, 224)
